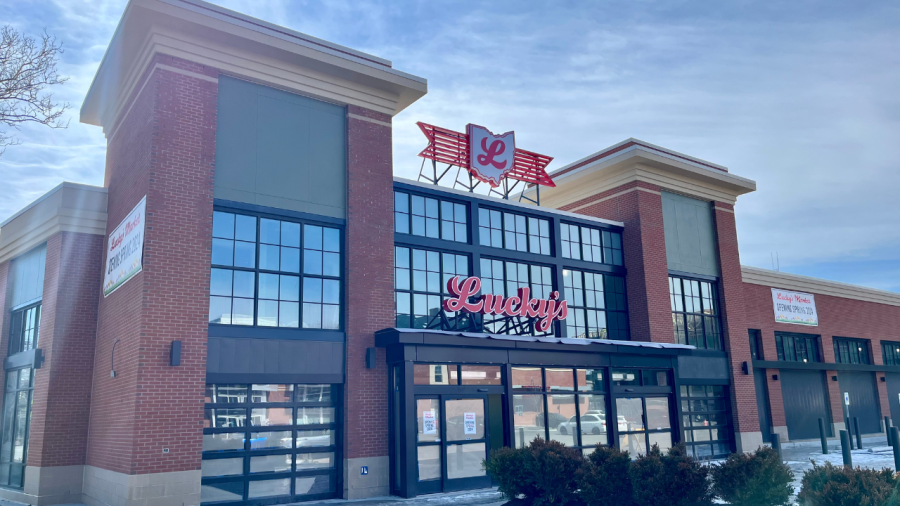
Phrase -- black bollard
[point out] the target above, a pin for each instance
(845, 449)
(849, 426)
(776, 445)
(894, 434)
(858, 436)
(887, 430)
(822, 436)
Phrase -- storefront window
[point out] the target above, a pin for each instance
(597, 307)
(430, 217)
(14, 426)
(591, 244)
(499, 277)
(797, 347)
(513, 231)
(25, 324)
(293, 281)
(891, 352)
(695, 315)
(574, 419)
(851, 351)
(285, 432)
(420, 278)
(705, 412)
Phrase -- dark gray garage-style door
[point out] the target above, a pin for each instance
(863, 399)
(893, 389)
(805, 401)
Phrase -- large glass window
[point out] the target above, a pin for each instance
(274, 273)
(891, 352)
(695, 314)
(797, 347)
(499, 277)
(420, 278)
(591, 244)
(705, 413)
(596, 305)
(14, 426)
(851, 351)
(269, 441)
(513, 231)
(25, 324)
(429, 217)
(565, 405)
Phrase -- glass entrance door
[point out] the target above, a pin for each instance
(643, 422)
(452, 439)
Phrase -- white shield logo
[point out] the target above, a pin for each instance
(491, 156)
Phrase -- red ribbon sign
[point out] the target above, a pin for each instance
(545, 310)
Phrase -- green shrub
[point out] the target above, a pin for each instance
(673, 479)
(603, 480)
(758, 479)
(543, 473)
(831, 485)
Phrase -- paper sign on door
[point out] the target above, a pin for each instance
(469, 423)
(428, 423)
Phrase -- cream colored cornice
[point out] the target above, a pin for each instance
(648, 165)
(69, 207)
(242, 47)
(775, 279)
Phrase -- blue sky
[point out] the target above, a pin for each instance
(800, 96)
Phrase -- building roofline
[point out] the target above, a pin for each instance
(60, 186)
(492, 200)
(777, 279)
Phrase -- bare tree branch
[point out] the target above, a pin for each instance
(27, 68)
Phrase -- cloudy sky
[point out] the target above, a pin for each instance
(803, 97)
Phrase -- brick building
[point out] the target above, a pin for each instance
(250, 309)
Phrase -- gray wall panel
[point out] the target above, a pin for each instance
(702, 367)
(281, 150)
(893, 390)
(296, 361)
(690, 235)
(28, 277)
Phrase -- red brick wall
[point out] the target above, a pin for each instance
(639, 206)
(164, 149)
(62, 388)
(734, 320)
(369, 265)
(838, 317)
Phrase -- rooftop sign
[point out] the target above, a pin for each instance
(487, 157)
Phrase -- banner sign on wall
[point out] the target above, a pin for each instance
(125, 249)
(795, 307)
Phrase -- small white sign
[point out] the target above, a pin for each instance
(795, 307)
(429, 426)
(469, 423)
(847, 398)
(125, 249)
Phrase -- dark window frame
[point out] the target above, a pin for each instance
(756, 347)
(890, 352)
(793, 347)
(405, 218)
(17, 329)
(609, 244)
(851, 350)
(301, 275)
(534, 241)
(248, 452)
(621, 328)
(704, 414)
(412, 291)
(709, 315)
(12, 394)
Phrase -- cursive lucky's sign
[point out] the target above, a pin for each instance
(546, 311)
